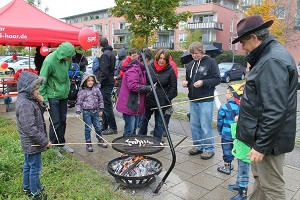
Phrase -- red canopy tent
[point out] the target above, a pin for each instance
(24, 25)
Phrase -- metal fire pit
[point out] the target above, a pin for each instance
(140, 181)
(137, 145)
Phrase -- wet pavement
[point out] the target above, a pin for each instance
(192, 177)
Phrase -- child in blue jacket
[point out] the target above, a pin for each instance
(226, 115)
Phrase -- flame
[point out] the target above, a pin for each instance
(128, 163)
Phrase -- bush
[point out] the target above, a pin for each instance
(226, 56)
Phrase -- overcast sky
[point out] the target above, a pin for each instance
(65, 8)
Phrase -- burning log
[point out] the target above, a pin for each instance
(136, 161)
(135, 167)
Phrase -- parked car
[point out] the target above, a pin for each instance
(231, 71)
(9, 59)
(21, 64)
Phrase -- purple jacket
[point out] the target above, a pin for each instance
(89, 98)
(132, 97)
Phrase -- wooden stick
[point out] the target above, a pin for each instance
(52, 124)
(160, 146)
(180, 142)
(96, 132)
(178, 103)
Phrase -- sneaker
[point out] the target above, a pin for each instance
(57, 153)
(39, 196)
(102, 144)
(89, 148)
(226, 169)
(27, 192)
(207, 155)
(67, 149)
(195, 151)
(109, 132)
(164, 134)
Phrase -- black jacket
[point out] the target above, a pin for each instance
(166, 86)
(208, 71)
(267, 120)
(81, 61)
(107, 61)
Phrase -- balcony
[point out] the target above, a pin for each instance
(120, 46)
(166, 45)
(209, 25)
(121, 32)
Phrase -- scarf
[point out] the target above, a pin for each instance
(158, 67)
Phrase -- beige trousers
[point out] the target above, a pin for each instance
(268, 178)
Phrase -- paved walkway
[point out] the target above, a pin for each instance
(192, 177)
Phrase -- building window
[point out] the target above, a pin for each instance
(182, 25)
(297, 16)
(236, 46)
(122, 25)
(280, 12)
(206, 37)
(231, 25)
(182, 37)
(230, 43)
(203, 18)
(106, 29)
(113, 27)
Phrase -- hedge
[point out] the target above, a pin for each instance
(227, 56)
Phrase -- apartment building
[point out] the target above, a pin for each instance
(289, 12)
(216, 19)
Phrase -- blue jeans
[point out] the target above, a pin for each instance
(131, 123)
(227, 148)
(158, 128)
(108, 118)
(32, 171)
(201, 125)
(58, 114)
(92, 119)
(243, 174)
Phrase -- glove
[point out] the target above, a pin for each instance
(145, 89)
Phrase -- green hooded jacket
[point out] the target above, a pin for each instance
(55, 71)
(240, 150)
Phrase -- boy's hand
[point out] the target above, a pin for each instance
(242, 86)
(198, 84)
(77, 116)
(184, 83)
(49, 145)
(100, 114)
(40, 99)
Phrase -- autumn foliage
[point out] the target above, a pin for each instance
(267, 9)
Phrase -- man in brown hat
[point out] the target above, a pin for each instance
(267, 120)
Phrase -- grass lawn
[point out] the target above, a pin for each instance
(67, 178)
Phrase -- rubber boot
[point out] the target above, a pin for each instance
(233, 187)
(242, 195)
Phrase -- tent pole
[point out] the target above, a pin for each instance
(29, 57)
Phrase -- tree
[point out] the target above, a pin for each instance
(268, 11)
(139, 42)
(37, 4)
(147, 16)
(192, 36)
(3, 50)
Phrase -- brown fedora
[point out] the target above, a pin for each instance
(250, 24)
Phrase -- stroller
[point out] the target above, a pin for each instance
(75, 76)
